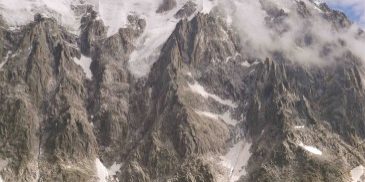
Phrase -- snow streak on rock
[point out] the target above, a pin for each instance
(5, 60)
(199, 89)
(226, 117)
(299, 127)
(310, 149)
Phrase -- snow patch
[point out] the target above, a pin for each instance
(299, 127)
(1, 179)
(3, 163)
(14, 28)
(208, 114)
(226, 117)
(85, 63)
(245, 64)
(310, 149)
(236, 160)
(101, 170)
(103, 173)
(316, 8)
(229, 58)
(114, 169)
(5, 60)
(199, 89)
(358, 173)
(229, 20)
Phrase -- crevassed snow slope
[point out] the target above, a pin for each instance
(159, 28)
(114, 13)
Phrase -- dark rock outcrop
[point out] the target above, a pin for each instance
(187, 10)
(92, 30)
(166, 5)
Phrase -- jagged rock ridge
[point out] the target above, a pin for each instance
(207, 111)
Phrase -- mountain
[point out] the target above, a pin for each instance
(180, 91)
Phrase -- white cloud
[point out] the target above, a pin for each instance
(308, 41)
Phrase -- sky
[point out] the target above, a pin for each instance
(354, 9)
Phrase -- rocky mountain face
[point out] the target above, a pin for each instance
(211, 109)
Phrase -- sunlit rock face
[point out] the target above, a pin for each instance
(180, 91)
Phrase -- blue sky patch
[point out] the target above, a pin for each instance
(352, 11)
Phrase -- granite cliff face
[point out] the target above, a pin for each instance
(213, 105)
